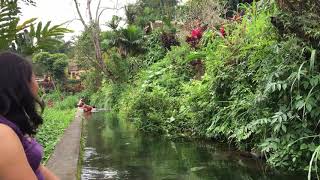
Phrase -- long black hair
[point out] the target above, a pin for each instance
(17, 103)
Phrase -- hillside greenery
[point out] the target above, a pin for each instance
(256, 87)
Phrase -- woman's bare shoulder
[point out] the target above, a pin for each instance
(10, 142)
(12, 156)
(7, 134)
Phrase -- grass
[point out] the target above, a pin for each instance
(56, 120)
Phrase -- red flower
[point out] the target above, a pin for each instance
(222, 31)
(196, 33)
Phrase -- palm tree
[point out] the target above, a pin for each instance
(114, 23)
(127, 40)
(130, 40)
(25, 38)
(43, 38)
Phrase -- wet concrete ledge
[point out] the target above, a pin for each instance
(64, 160)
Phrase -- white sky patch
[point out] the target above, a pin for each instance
(61, 11)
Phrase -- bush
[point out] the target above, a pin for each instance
(155, 50)
(62, 101)
(68, 102)
(151, 110)
(108, 96)
(53, 64)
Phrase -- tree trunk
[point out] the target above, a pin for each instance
(95, 35)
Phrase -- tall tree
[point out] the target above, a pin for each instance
(94, 27)
(144, 11)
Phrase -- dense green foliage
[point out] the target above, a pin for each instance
(53, 64)
(300, 19)
(256, 87)
(145, 11)
(259, 90)
(9, 22)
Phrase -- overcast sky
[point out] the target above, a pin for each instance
(60, 11)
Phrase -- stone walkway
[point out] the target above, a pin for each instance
(64, 161)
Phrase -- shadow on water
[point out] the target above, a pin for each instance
(114, 150)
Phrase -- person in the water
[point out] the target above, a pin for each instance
(20, 154)
(86, 108)
(81, 103)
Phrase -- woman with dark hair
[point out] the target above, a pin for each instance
(20, 154)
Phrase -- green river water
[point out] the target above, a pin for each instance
(115, 150)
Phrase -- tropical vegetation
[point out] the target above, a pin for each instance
(254, 86)
(251, 80)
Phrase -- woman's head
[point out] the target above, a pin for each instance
(18, 93)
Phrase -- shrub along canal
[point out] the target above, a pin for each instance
(115, 150)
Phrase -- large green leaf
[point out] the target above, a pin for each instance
(32, 31)
(9, 19)
(39, 29)
(46, 27)
(45, 37)
(26, 24)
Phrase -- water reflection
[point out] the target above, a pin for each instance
(114, 150)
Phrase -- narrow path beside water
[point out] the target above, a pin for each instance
(64, 161)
